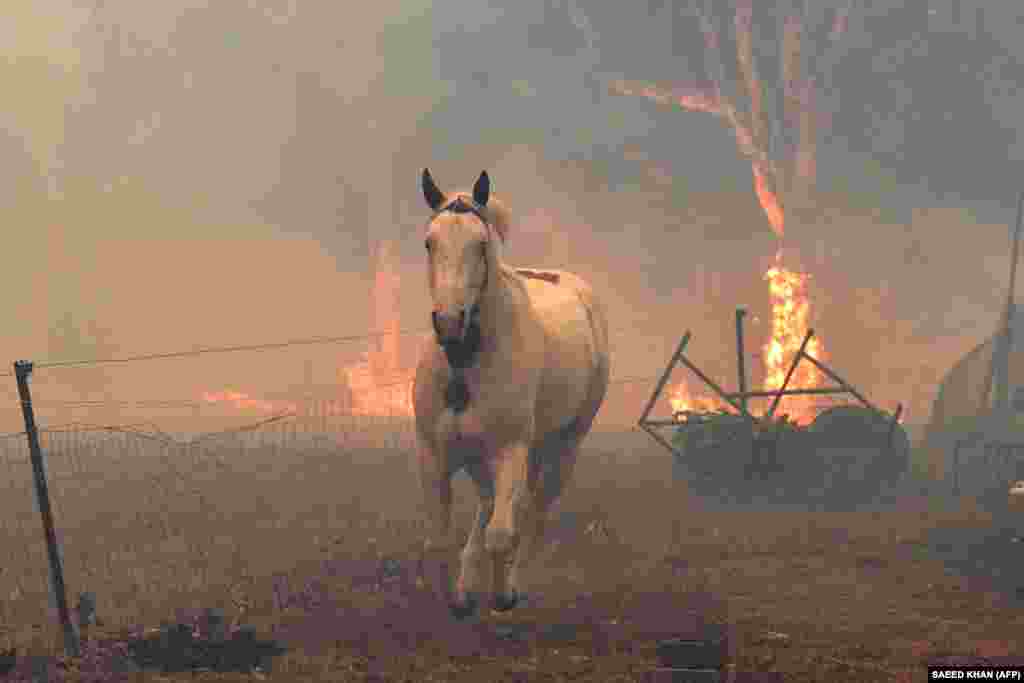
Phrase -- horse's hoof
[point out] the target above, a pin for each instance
(466, 608)
(526, 599)
(503, 602)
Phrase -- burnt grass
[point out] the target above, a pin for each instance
(312, 556)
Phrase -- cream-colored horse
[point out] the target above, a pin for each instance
(507, 393)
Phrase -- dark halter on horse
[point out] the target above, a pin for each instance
(462, 355)
(460, 205)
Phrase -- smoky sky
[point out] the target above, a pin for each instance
(205, 173)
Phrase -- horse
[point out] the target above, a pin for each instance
(507, 393)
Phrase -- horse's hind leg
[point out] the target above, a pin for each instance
(555, 474)
(439, 546)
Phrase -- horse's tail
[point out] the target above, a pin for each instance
(599, 377)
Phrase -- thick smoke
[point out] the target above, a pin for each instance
(183, 174)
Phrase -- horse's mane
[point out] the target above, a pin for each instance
(496, 211)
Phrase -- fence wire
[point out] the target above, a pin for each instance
(148, 478)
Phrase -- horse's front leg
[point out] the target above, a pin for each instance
(439, 546)
(512, 499)
(472, 583)
(474, 575)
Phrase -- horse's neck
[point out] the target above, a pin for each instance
(498, 309)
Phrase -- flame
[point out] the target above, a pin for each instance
(243, 401)
(374, 393)
(790, 321)
(744, 23)
(769, 202)
(384, 360)
(379, 384)
(692, 98)
(790, 317)
(682, 400)
(787, 288)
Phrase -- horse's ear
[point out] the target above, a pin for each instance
(434, 196)
(482, 189)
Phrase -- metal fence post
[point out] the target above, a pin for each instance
(956, 468)
(22, 370)
(741, 365)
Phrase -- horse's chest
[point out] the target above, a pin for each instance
(462, 389)
(472, 414)
(466, 429)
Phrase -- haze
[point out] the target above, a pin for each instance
(183, 174)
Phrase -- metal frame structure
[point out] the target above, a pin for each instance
(738, 400)
(999, 370)
(995, 406)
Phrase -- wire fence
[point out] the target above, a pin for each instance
(69, 409)
(307, 425)
(284, 432)
(154, 485)
(167, 355)
(191, 418)
(77, 448)
(147, 481)
(205, 420)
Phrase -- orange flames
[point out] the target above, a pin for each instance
(379, 383)
(790, 316)
(769, 202)
(242, 401)
(787, 289)
(692, 99)
(791, 308)
(375, 393)
(682, 400)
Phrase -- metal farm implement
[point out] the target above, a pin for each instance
(849, 452)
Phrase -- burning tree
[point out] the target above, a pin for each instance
(381, 382)
(776, 130)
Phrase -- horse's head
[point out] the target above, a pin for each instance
(457, 241)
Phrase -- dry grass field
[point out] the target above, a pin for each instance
(313, 546)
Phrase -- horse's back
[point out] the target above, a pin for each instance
(576, 339)
(568, 311)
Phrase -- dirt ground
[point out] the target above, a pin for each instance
(315, 548)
